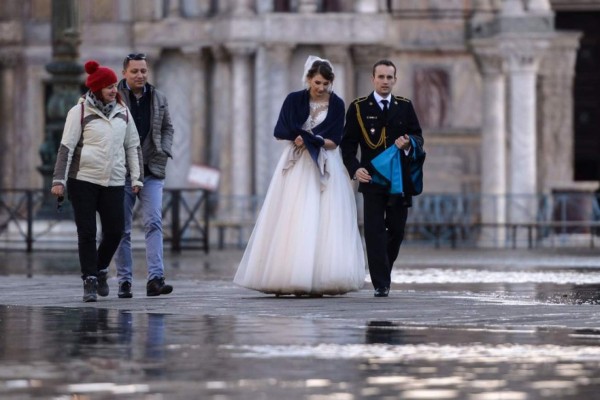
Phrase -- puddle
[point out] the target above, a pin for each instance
(97, 353)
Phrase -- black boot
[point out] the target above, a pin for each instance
(90, 288)
(125, 290)
(157, 286)
(103, 288)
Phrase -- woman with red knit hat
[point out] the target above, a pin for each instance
(100, 143)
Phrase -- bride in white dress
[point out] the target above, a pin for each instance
(306, 239)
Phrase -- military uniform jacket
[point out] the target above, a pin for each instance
(366, 129)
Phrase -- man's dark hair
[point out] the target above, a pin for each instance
(384, 62)
(133, 56)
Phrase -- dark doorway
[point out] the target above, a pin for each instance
(586, 92)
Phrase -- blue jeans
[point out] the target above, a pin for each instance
(151, 208)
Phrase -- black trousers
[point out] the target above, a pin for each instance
(87, 199)
(384, 224)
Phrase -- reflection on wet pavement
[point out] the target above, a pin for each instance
(553, 285)
(63, 353)
(457, 326)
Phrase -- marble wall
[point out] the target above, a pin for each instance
(226, 67)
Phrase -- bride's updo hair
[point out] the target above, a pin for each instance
(321, 67)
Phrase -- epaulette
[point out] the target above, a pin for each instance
(358, 100)
(402, 99)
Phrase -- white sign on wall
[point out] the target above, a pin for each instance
(204, 177)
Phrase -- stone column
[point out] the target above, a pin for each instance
(8, 159)
(173, 80)
(339, 56)
(174, 9)
(243, 7)
(264, 6)
(366, 6)
(493, 145)
(363, 58)
(199, 141)
(512, 8)
(539, 6)
(272, 86)
(220, 112)
(522, 58)
(241, 111)
(555, 112)
(307, 6)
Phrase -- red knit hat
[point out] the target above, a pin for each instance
(99, 77)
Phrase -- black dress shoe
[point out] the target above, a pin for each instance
(382, 292)
(157, 286)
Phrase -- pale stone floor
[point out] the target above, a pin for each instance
(459, 324)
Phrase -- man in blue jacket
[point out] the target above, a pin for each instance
(150, 111)
(374, 123)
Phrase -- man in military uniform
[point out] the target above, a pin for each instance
(374, 123)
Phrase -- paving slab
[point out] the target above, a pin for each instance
(474, 324)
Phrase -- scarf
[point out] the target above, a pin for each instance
(295, 111)
(106, 109)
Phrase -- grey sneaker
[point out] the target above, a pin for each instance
(103, 288)
(90, 289)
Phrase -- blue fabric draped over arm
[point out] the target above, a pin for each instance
(388, 167)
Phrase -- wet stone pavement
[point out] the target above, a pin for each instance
(466, 324)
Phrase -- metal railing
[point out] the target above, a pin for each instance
(192, 217)
(26, 221)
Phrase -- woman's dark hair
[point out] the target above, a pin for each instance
(99, 96)
(323, 68)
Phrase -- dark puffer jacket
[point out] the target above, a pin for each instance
(156, 149)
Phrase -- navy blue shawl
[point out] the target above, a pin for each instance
(294, 113)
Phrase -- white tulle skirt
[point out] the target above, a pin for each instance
(306, 239)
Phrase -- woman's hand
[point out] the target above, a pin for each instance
(299, 142)
(136, 189)
(58, 190)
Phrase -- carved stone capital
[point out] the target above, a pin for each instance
(337, 54)
(241, 49)
(368, 55)
(243, 8)
(488, 56)
(559, 59)
(523, 55)
(219, 53)
(280, 52)
(307, 6)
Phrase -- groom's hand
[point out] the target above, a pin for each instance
(362, 175)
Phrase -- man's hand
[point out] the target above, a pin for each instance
(362, 175)
(403, 142)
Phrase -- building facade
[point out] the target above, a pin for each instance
(492, 82)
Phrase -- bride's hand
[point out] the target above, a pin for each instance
(299, 142)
